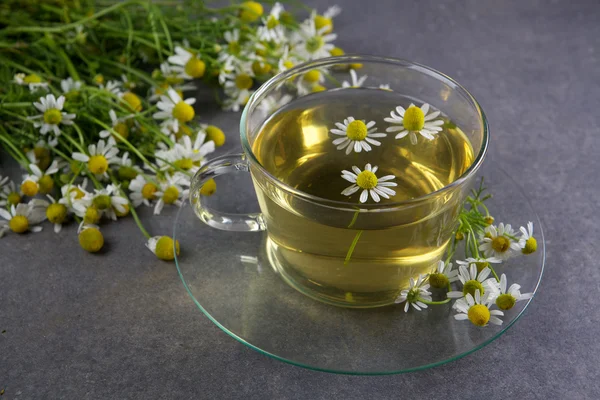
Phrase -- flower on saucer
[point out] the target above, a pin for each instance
(527, 242)
(22, 217)
(99, 156)
(507, 298)
(357, 135)
(473, 281)
(369, 183)
(52, 116)
(414, 120)
(443, 275)
(415, 294)
(477, 309)
(479, 262)
(355, 81)
(499, 242)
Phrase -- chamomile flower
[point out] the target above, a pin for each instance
(310, 82)
(118, 124)
(271, 29)
(355, 81)
(171, 192)
(443, 275)
(175, 109)
(479, 262)
(356, 135)
(472, 281)
(99, 157)
(126, 169)
(33, 81)
(414, 120)
(113, 87)
(187, 63)
(527, 242)
(499, 242)
(477, 309)
(186, 155)
(325, 20)
(287, 60)
(39, 181)
(507, 298)
(415, 294)
(51, 116)
(312, 43)
(272, 103)
(4, 180)
(9, 195)
(69, 85)
(56, 213)
(23, 217)
(143, 190)
(369, 183)
(90, 237)
(163, 247)
(238, 89)
(233, 50)
(70, 193)
(108, 201)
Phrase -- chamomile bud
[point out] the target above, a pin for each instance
(163, 247)
(90, 238)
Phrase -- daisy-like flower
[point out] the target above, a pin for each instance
(414, 120)
(171, 192)
(325, 21)
(443, 275)
(163, 247)
(272, 30)
(175, 109)
(233, 50)
(99, 157)
(507, 298)
(310, 82)
(473, 281)
(70, 193)
(527, 242)
(70, 85)
(33, 81)
(38, 180)
(355, 81)
(118, 124)
(286, 61)
(415, 294)
(23, 217)
(238, 89)
(187, 63)
(499, 242)
(107, 201)
(51, 115)
(357, 135)
(127, 170)
(312, 43)
(113, 87)
(477, 309)
(56, 213)
(272, 103)
(369, 183)
(9, 196)
(186, 155)
(143, 190)
(480, 262)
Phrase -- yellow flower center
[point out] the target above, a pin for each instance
(13, 198)
(170, 80)
(414, 119)
(98, 164)
(489, 220)
(102, 202)
(356, 130)
(148, 191)
(438, 281)
(184, 163)
(505, 301)
(216, 135)
(318, 88)
(481, 265)
(366, 180)
(250, 11)
(32, 78)
(122, 129)
(234, 48)
(99, 79)
(288, 64)
(52, 116)
(46, 184)
(355, 66)
(164, 248)
(78, 192)
(91, 240)
(209, 188)
(322, 22)
(479, 315)
(471, 286)
(132, 101)
(183, 112)
(170, 195)
(336, 51)
(314, 43)
(243, 81)
(530, 246)
(272, 22)
(19, 224)
(124, 213)
(29, 188)
(312, 76)
(92, 215)
(42, 155)
(195, 68)
(260, 68)
(56, 213)
(500, 244)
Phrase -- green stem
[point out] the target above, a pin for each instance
(79, 133)
(493, 272)
(352, 246)
(16, 105)
(433, 303)
(74, 143)
(137, 219)
(6, 139)
(354, 218)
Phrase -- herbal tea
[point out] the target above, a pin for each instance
(360, 256)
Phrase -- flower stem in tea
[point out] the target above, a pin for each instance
(352, 246)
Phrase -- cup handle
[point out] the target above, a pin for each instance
(233, 163)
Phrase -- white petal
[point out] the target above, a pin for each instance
(364, 196)
(350, 190)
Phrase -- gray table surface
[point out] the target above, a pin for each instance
(120, 325)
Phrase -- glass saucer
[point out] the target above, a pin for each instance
(229, 277)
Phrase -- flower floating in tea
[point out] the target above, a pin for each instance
(358, 135)
(369, 183)
(414, 120)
